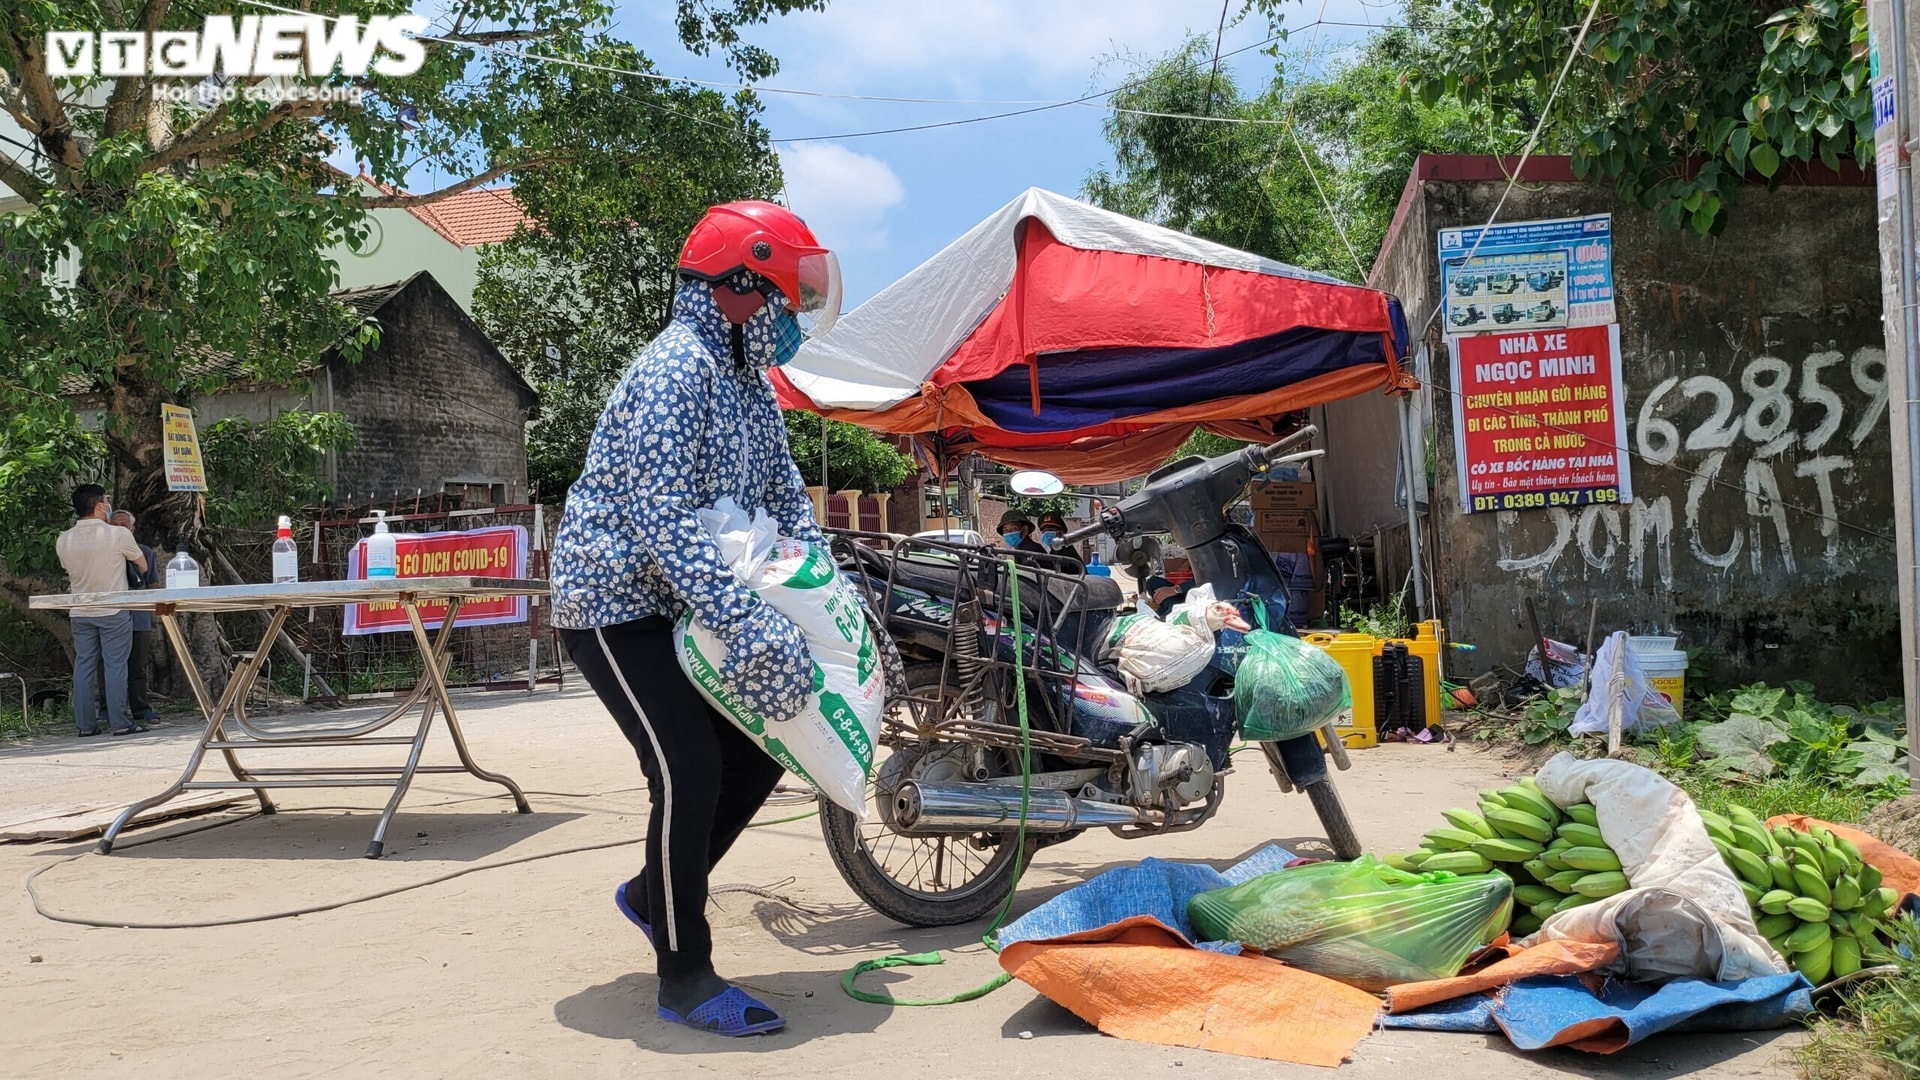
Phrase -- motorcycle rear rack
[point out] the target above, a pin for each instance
(1051, 590)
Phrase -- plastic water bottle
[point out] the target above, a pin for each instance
(381, 561)
(183, 572)
(286, 555)
(1097, 568)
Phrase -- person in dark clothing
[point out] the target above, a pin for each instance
(694, 420)
(1052, 528)
(1016, 531)
(1156, 592)
(139, 697)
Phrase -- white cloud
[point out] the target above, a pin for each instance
(843, 195)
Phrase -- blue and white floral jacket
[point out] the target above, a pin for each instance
(685, 426)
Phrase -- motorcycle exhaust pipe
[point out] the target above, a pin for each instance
(970, 808)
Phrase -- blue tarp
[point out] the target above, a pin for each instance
(1533, 1012)
(1149, 887)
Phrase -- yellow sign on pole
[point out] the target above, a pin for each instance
(184, 469)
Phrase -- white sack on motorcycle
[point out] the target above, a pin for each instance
(830, 744)
(1155, 656)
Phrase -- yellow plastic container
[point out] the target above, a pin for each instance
(1354, 653)
(1427, 644)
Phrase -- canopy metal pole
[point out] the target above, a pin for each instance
(1410, 462)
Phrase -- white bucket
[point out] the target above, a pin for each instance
(1667, 671)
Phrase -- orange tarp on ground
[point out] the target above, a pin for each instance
(1551, 958)
(1139, 980)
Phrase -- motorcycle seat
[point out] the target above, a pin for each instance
(939, 577)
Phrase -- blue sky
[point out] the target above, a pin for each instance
(887, 202)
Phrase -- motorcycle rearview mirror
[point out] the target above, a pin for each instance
(1036, 483)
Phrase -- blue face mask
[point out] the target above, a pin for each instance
(786, 338)
(1012, 538)
(1048, 537)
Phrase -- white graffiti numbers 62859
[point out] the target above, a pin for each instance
(1755, 453)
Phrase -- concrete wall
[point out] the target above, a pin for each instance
(1754, 373)
(397, 246)
(435, 404)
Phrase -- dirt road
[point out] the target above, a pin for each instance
(527, 971)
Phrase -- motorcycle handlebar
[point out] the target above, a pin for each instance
(1270, 454)
(1275, 449)
(1084, 533)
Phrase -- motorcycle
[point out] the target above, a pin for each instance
(939, 843)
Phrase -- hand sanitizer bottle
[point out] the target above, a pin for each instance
(183, 572)
(286, 556)
(380, 549)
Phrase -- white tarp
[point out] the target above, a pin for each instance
(880, 353)
(1686, 915)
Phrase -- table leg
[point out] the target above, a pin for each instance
(208, 708)
(235, 698)
(453, 722)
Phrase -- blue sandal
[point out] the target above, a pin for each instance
(620, 901)
(726, 1014)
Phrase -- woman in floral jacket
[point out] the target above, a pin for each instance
(693, 420)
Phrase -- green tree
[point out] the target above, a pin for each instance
(1326, 148)
(1674, 100)
(1240, 184)
(158, 233)
(200, 230)
(570, 303)
(856, 457)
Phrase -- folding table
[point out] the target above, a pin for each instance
(228, 729)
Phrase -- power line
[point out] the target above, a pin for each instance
(1532, 141)
(1033, 104)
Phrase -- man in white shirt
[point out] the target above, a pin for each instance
(95, 555)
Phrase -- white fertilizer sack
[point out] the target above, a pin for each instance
(830, 743)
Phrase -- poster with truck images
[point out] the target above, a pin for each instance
(1527, 275)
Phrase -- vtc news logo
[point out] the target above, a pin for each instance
(246, 46)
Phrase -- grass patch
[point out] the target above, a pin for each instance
(45, 721)
(1826, 801)
(1876, 1036)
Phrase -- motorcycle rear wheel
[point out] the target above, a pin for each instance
(920, 880)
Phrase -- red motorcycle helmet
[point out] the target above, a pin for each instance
(772, 242)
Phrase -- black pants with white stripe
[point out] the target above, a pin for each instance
(706, 777)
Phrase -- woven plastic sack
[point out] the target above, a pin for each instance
(1155, 655)
(830, 744)
(1362, 923)
(1284, 687)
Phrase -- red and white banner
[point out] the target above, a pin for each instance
(1539, 419)
(497, 552)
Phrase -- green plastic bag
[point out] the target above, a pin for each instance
(1284, 687)
(1363, 923)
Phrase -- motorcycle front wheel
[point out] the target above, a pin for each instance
(1326, 805)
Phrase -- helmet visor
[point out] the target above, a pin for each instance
(819, 304)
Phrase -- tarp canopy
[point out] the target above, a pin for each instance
(1060, 336)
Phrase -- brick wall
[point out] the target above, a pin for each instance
(434, 405)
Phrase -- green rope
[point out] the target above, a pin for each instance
(928, 959)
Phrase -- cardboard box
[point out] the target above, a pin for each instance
(1286, 530)
(1285, 495)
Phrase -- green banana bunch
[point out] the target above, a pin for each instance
(1812, 895)
(1556, 857)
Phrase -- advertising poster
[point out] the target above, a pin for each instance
(185, 472)
(1528, 275)
(497, 552)
(1538, 419)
